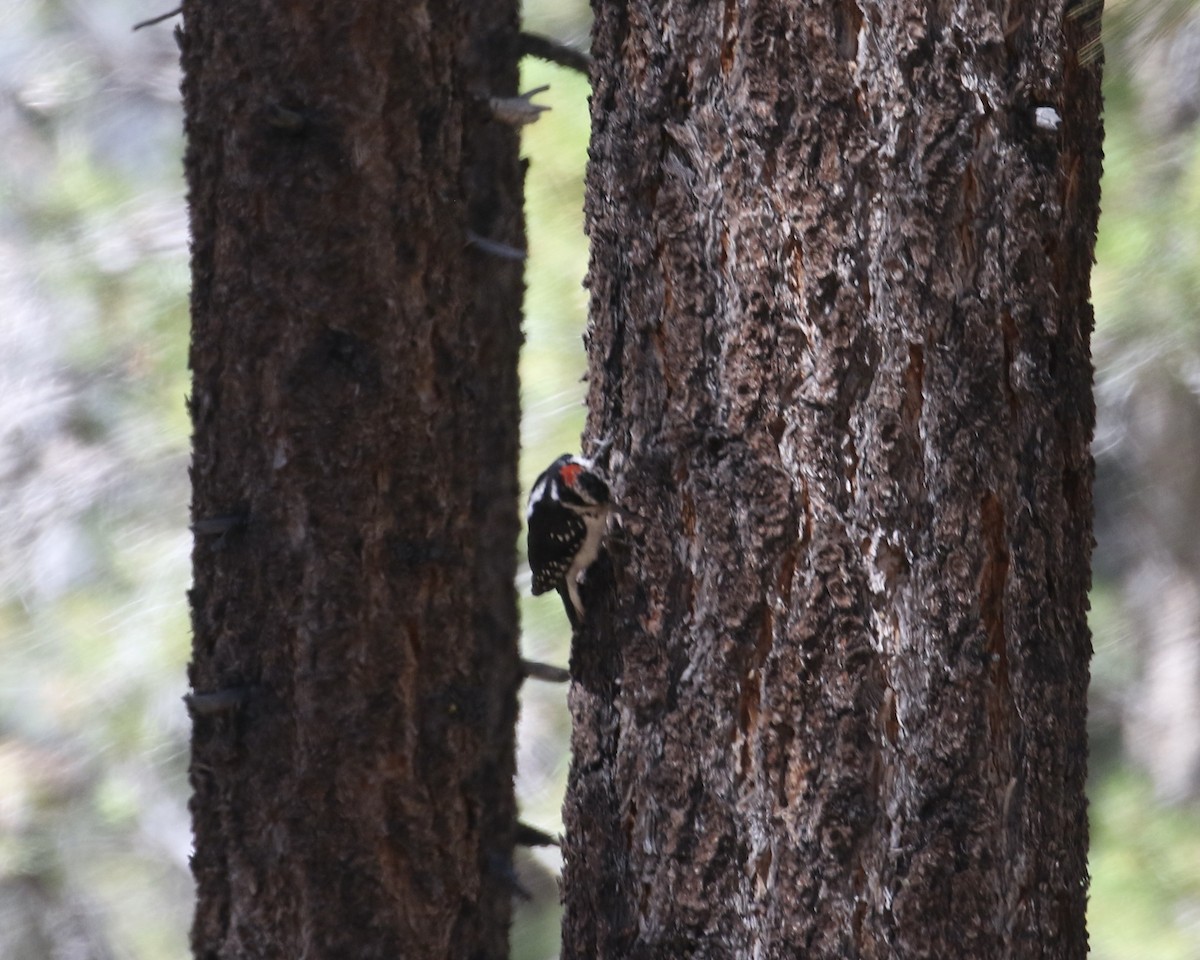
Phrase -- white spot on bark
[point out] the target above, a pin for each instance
(1047, 118)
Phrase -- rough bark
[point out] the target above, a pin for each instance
(830, 699)
(355, 495)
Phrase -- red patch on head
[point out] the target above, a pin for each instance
(570, 473)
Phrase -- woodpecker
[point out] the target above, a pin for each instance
(567, 516)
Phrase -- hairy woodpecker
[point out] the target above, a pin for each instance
(567, 516)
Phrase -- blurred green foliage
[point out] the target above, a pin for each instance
(1146, 284)
(552, 394)
(1145, 281)
(1145, 863)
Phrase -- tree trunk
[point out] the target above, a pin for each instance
(356, 419)
(831, 699)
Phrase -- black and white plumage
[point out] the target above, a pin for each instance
(567, 516)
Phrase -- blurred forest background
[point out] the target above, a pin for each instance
(94, 828)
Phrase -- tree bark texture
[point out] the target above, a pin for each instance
(355, 490)
(830, 698)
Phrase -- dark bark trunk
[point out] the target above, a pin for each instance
(355, 411)
(831, 702)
